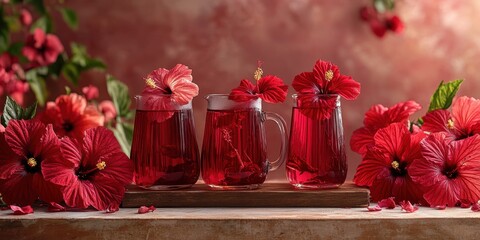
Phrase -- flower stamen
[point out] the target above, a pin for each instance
(150, 83)
(32, 162)
(450, 124)
(101, 165)
(395, 165)
(329, 75)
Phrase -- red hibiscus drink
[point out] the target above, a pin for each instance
(234, 153)
(164, 146)
(316, 156)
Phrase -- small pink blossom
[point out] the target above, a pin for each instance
(107, 108)
(25, 17)
(90, 92)
(41, 48)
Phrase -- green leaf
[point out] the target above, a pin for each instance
(39, 6)
(38, 86)
(13, 110)
(44, 23)
(13, 23)
(443, 96)
(119, 94)
(123, 133)
(55, 69)
(69, 17)
(94, 63)
(4, 32)
(384, 5)
(71, 73)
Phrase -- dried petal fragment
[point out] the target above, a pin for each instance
(374, 209)
(388, 203)
(145, 209)
(408, 207)
(21, 210)
(112, 208)
(475, 207)
(55, 207)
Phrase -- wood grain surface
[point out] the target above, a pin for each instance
(269, 195)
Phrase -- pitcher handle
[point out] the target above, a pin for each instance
(282, 126)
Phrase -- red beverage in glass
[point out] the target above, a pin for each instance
(234, 152)
(164, 149)
(316, 156)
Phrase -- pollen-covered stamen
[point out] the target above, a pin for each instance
(150, 83)
(395, 165)
(101, 165)
(32, 162)
(450, 124)
(329, 75)
(258, 74)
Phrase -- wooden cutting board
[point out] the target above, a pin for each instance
(268, 195)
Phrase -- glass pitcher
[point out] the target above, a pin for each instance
(234, 153)
(316, 156)
(164, 147)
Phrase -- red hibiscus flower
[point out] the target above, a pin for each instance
(24, 148)
(270, 88)
(93, 171)
(25, 17)
(71, 116)
(449, 170)
(324, 80)
(378, 117)
(42, 49)
(394, 24)
(176, 83)
(385, 167)
(462, 122)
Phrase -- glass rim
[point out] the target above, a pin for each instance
(316, 94)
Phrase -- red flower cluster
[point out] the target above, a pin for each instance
(437, 164)
(63, 155)
(12, 78)
(314, 89)
(270, 88)
(380, 24)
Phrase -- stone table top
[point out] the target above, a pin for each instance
(243, 223)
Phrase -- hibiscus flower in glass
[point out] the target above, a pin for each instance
(164, 146)
(317, 156)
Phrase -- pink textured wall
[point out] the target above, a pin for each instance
(221, 41)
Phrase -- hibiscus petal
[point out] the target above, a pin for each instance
(388, 203)
(18, 189)
(305, 83)
(375, 117)
(383, 186)
(98, 143)
(466, 113)
(374, 209)
(145, 209)
(405, 189)
(46, 191)
(436, 121)
(361, 139)
(475, 207)
(178, 72)
(183, 91)
(466, 153)
(114, 207)
(408, 207)
(272, 89)
(53, 47)
(10, 161)
(402, 111)
(61, 171)
(246, 91)
(317, 106)
(106, 191)
(394, 139)
(465, 203)
(55, 207)
(24, 137)
(371, 166)
(320, 74)
(157, 86)
(345, 86)
(21, 210)
(445, 192)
